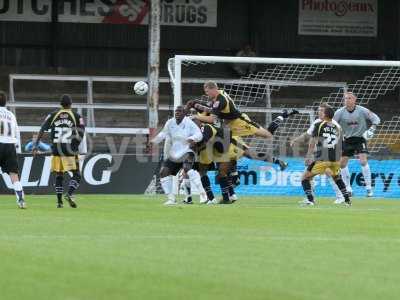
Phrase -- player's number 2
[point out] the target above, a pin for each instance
(62, 135)
(330, 140)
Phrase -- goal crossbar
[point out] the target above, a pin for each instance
(175, 65)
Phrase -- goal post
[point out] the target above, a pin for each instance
(298, 83)
(372, 80)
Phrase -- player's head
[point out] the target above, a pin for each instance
(350, 100)
(211, 89)
(179, 113)
(328, 113)
(66, 101)
(3, 99)
(321, 110)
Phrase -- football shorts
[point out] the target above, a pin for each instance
(320, 167)
(242, 126)
(8, 158)
(64, 163)
(353, 146)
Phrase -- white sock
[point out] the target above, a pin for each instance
(366, 171)
(338, 193)
(195, 180)
(346, 178)
(19, 192)
(166, 183)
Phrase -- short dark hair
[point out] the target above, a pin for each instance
(66, 101)
(3, 99)
(329, 112)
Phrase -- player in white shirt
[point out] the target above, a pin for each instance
(182, 133)
(9, 145)
(308, 133)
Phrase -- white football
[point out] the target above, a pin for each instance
(141, 88)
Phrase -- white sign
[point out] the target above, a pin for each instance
(338, 17)
(134, 12)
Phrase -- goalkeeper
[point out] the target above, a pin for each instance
(224, 109)
(354, 122)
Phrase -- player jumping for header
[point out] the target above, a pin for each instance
(223, 109)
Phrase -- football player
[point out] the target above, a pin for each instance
(9, 146)
(67, 129)
(182, 134)
(354, 120)
(326, 138)
(224, 109)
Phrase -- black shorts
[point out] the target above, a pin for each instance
(174, 167)
(8, 158)
(353, 146)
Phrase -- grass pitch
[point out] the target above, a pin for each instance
(132, 247)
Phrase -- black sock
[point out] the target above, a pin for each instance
(273, 126)
(74, 183)
(205, 181)
(307, 189)
(342, 187)
(188, 192)
(223, 182)
(264, 157)
(59, 188)
(276, 161)
(231, 191)
(235, 178)
(72, 187)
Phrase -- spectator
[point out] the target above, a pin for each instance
(245, 69)
(42, 147)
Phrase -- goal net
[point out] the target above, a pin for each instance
(303, 84)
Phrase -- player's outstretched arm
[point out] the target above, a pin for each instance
(162, 135)
(206, 119)
(295, 140)
(197, 106)
(195, 132)
(45, 126)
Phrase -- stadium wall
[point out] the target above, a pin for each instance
(277, 22)
(117, 45)
(269, 25)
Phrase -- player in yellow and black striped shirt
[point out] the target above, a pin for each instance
(66, 132)
(327, 139)
(224, 109)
